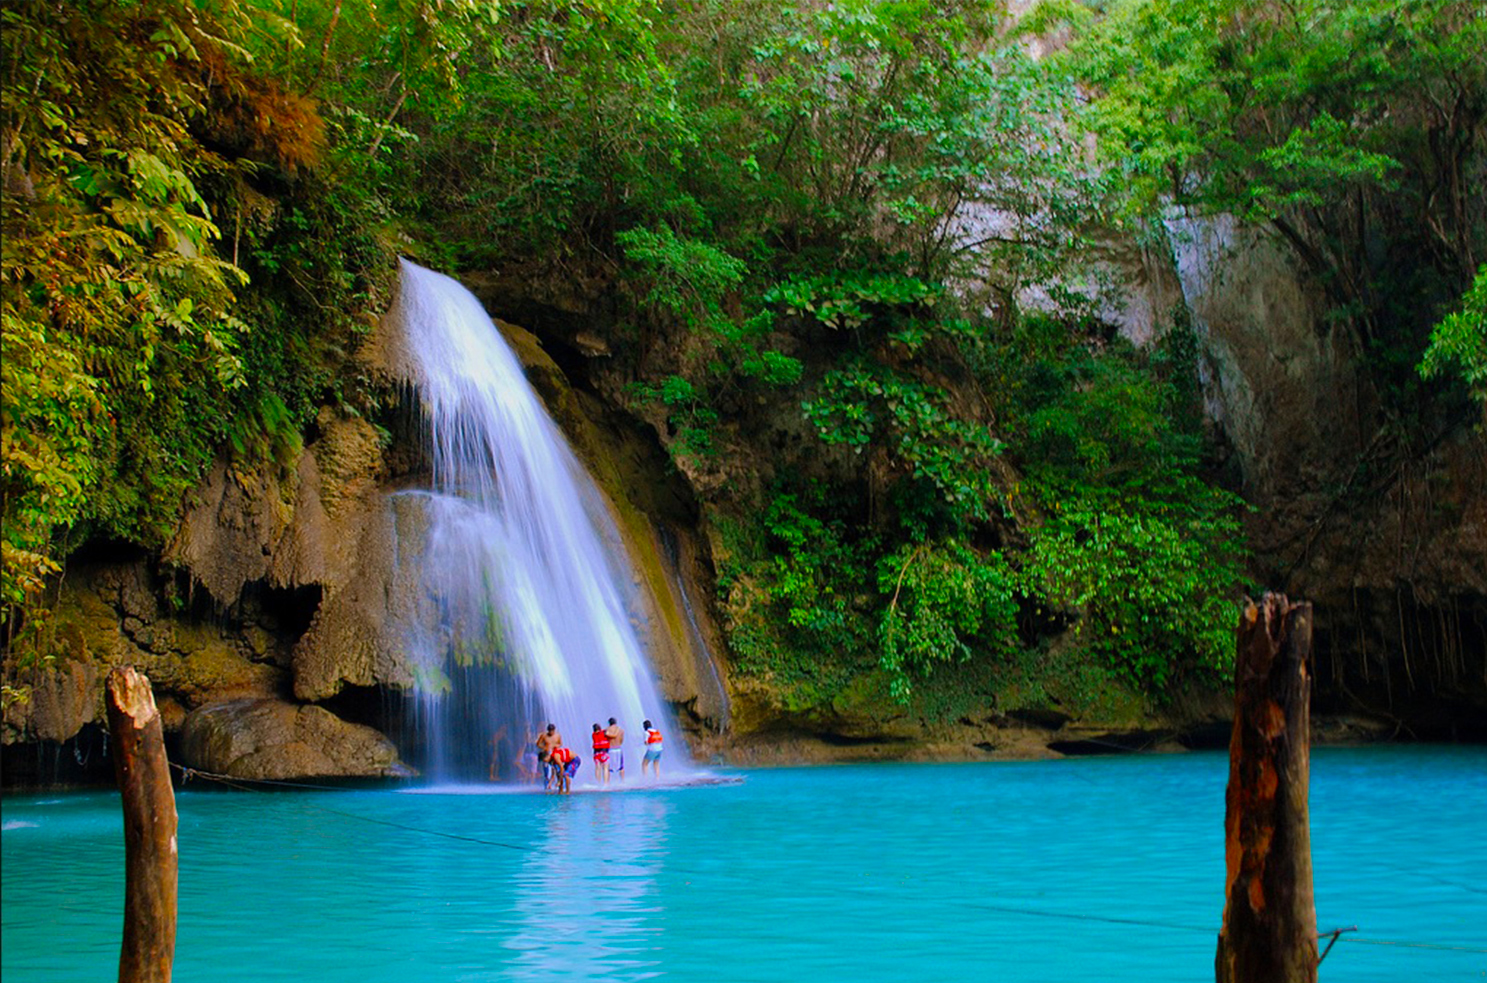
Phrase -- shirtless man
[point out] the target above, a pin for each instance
(616, 735)
(548, 742)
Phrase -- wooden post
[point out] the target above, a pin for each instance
(149, 829)
(1269, 933)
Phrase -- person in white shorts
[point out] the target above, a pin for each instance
(653, 748)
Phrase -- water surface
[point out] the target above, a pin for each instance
(1101, 870)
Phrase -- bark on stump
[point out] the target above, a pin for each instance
(1269, 933)
(138, 742)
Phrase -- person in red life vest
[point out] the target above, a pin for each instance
(653, 749)
(616, 735)
(565, 765)
(601, 756)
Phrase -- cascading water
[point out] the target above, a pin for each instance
(522, 569)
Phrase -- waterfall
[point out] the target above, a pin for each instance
(523, 569)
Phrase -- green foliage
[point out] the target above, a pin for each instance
(115, 312)
(688, 278)
(771, 368)
(1349, 127)
(805, 578)
(689, 417)
(1154, 590)
(1237, 105)
(897, 122)
(1102, 417)
(501, 130)
(135, 136)
(792, 588)
(867, 405)
(947, 604)
(1134, 549)
(1143, 553)
(848, 300)
(1459, 342)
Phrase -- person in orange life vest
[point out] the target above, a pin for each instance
(652, 751)
(616, 735)
(565, 766)
(601, 756)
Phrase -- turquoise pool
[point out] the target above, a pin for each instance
(1097, 869)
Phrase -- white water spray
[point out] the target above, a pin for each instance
(523, 561)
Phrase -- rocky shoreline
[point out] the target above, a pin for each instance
(279, 750)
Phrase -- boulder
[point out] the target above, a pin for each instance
(271, 739)
(58, 702)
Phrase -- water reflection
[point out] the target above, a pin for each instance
(588, 901)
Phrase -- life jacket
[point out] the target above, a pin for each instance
(653, 737)
(601, 741)
(562, 755)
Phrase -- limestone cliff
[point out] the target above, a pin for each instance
(1387, 536)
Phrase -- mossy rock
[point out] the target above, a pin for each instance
(274, 740)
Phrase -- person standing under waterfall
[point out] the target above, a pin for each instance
(653, 748)
(601, 756)
(616, 735)
(528, 765)
(548, 742)
(497, 740)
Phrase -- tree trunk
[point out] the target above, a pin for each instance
(1269, 933)
(149, 829)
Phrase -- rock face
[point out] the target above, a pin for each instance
(1282, 385)
(281, 527)
(112, 615)
(272, 739)
(328, 525)
(1390, 544)
(351, 639)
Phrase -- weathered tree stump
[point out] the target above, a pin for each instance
(149, 829)
(1269, 933)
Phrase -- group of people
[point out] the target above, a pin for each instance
(559, 764)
